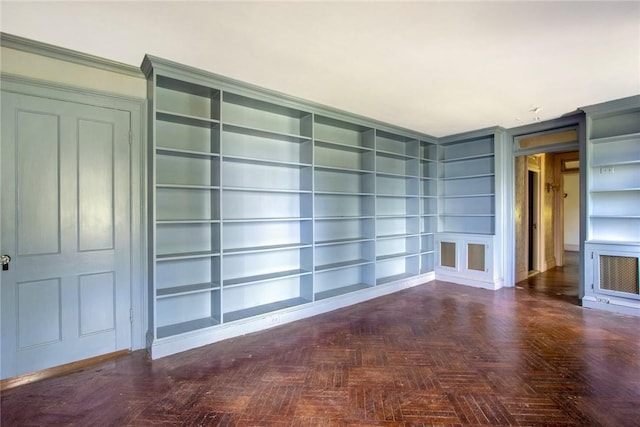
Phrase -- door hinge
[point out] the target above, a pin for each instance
(130, 137)
(591, 255)
(592, 286)
(131, 315)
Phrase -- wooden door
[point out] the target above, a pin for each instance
(66, 223)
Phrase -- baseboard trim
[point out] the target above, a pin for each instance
(171, 345)
(56, 371)
(459, 280)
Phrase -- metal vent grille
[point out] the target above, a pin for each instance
(619, 273)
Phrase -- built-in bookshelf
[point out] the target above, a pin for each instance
(344, 207)
(467, 184)
(612, 249)
(614, 175)
(186, 211)
(262, 205)
(266, 153)
(428, 204)
(398, 200)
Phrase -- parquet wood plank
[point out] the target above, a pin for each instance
(434, 355)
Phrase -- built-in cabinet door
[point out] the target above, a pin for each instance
(66, 226)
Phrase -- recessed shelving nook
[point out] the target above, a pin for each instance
(468, 198)
(264, 208)
(613, 205)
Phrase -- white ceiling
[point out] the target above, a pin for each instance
(436, 67)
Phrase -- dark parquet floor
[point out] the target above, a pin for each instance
(437, 354)
(557, 282)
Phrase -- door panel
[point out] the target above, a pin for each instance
(66, 224)
(95, 186)
(37, 165)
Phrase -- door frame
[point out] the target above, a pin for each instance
(533, 241)
(558, 204)
(137, 109)
(575, 121)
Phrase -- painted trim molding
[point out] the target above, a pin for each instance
(58, 371)
(60, 53)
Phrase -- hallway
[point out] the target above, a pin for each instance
(558, 282)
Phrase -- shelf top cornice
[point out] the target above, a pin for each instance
(488, 132)
(151, 64)
(612, 107)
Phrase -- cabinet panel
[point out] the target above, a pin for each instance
(448, 254)
(476, 257)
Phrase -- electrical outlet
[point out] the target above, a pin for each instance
(275, 319)
(602, 300)
(608, 169)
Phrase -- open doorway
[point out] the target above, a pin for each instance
(547, 217)
(529, 198)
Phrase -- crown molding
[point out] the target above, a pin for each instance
(44, 49)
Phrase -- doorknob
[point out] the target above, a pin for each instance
(5, 260)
